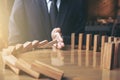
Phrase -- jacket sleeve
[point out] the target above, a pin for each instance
(17, 23)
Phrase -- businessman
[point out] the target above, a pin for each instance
(46, 19)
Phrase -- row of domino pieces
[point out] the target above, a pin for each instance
(109, 48)
(96, 41)
(34, 69)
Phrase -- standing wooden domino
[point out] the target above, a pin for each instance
(116, 39)
(103, 40)
(110, 39)
(72, 41)
(116, 52)
(108, 55)
(88, 41)
(47, 70)
(96, 43)
(80, 43)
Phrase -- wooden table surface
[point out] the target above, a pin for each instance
(77, 65)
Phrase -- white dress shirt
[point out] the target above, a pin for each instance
(49, 4)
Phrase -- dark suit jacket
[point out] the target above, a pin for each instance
(29, 20)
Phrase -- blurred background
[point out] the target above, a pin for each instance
(5, 9)
(97, 9)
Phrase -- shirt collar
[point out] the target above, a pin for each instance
(47, 1)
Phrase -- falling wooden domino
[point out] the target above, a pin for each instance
(72, 40)
(3, 55)
(88, 41)
(11, 50)
(19, 48)
(26, 67)
(49, 44)
(118, 61)
(80, 43)
(10, 62)
(27, 46)
(47, 70)
(96, 43)
(103, 40)
(42, 43)
(35, 43)
(18, 64)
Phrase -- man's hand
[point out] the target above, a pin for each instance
(56, 35)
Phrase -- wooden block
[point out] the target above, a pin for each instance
(19, 48)
(72, 40)
(47, 70)
(10, 62)
(11, 50)
(27, 46)
(80, 43)
(110, 39)
(103, 40)
(49, 45)
(35, 43)
(26, 67)
(42, 43)
(108, 56)
(96, 43)
(104, 55)
(88, 41)
(115, 57)
(116, 39)
(3, 55)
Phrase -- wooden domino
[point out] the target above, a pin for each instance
(27, 46)
(115, 57)
(96, 43)
(115, 39)
(88, 41)
(47, 70)
(80, 43)
(10, 62)
(72, 40)
(103, 40)
(42, 43)
(19, 48)
(26, 67)
(11, 50)
(35, 43)
(108, 55)
(110, 39)
(49, 44)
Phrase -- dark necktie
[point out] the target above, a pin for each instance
(53, 12)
